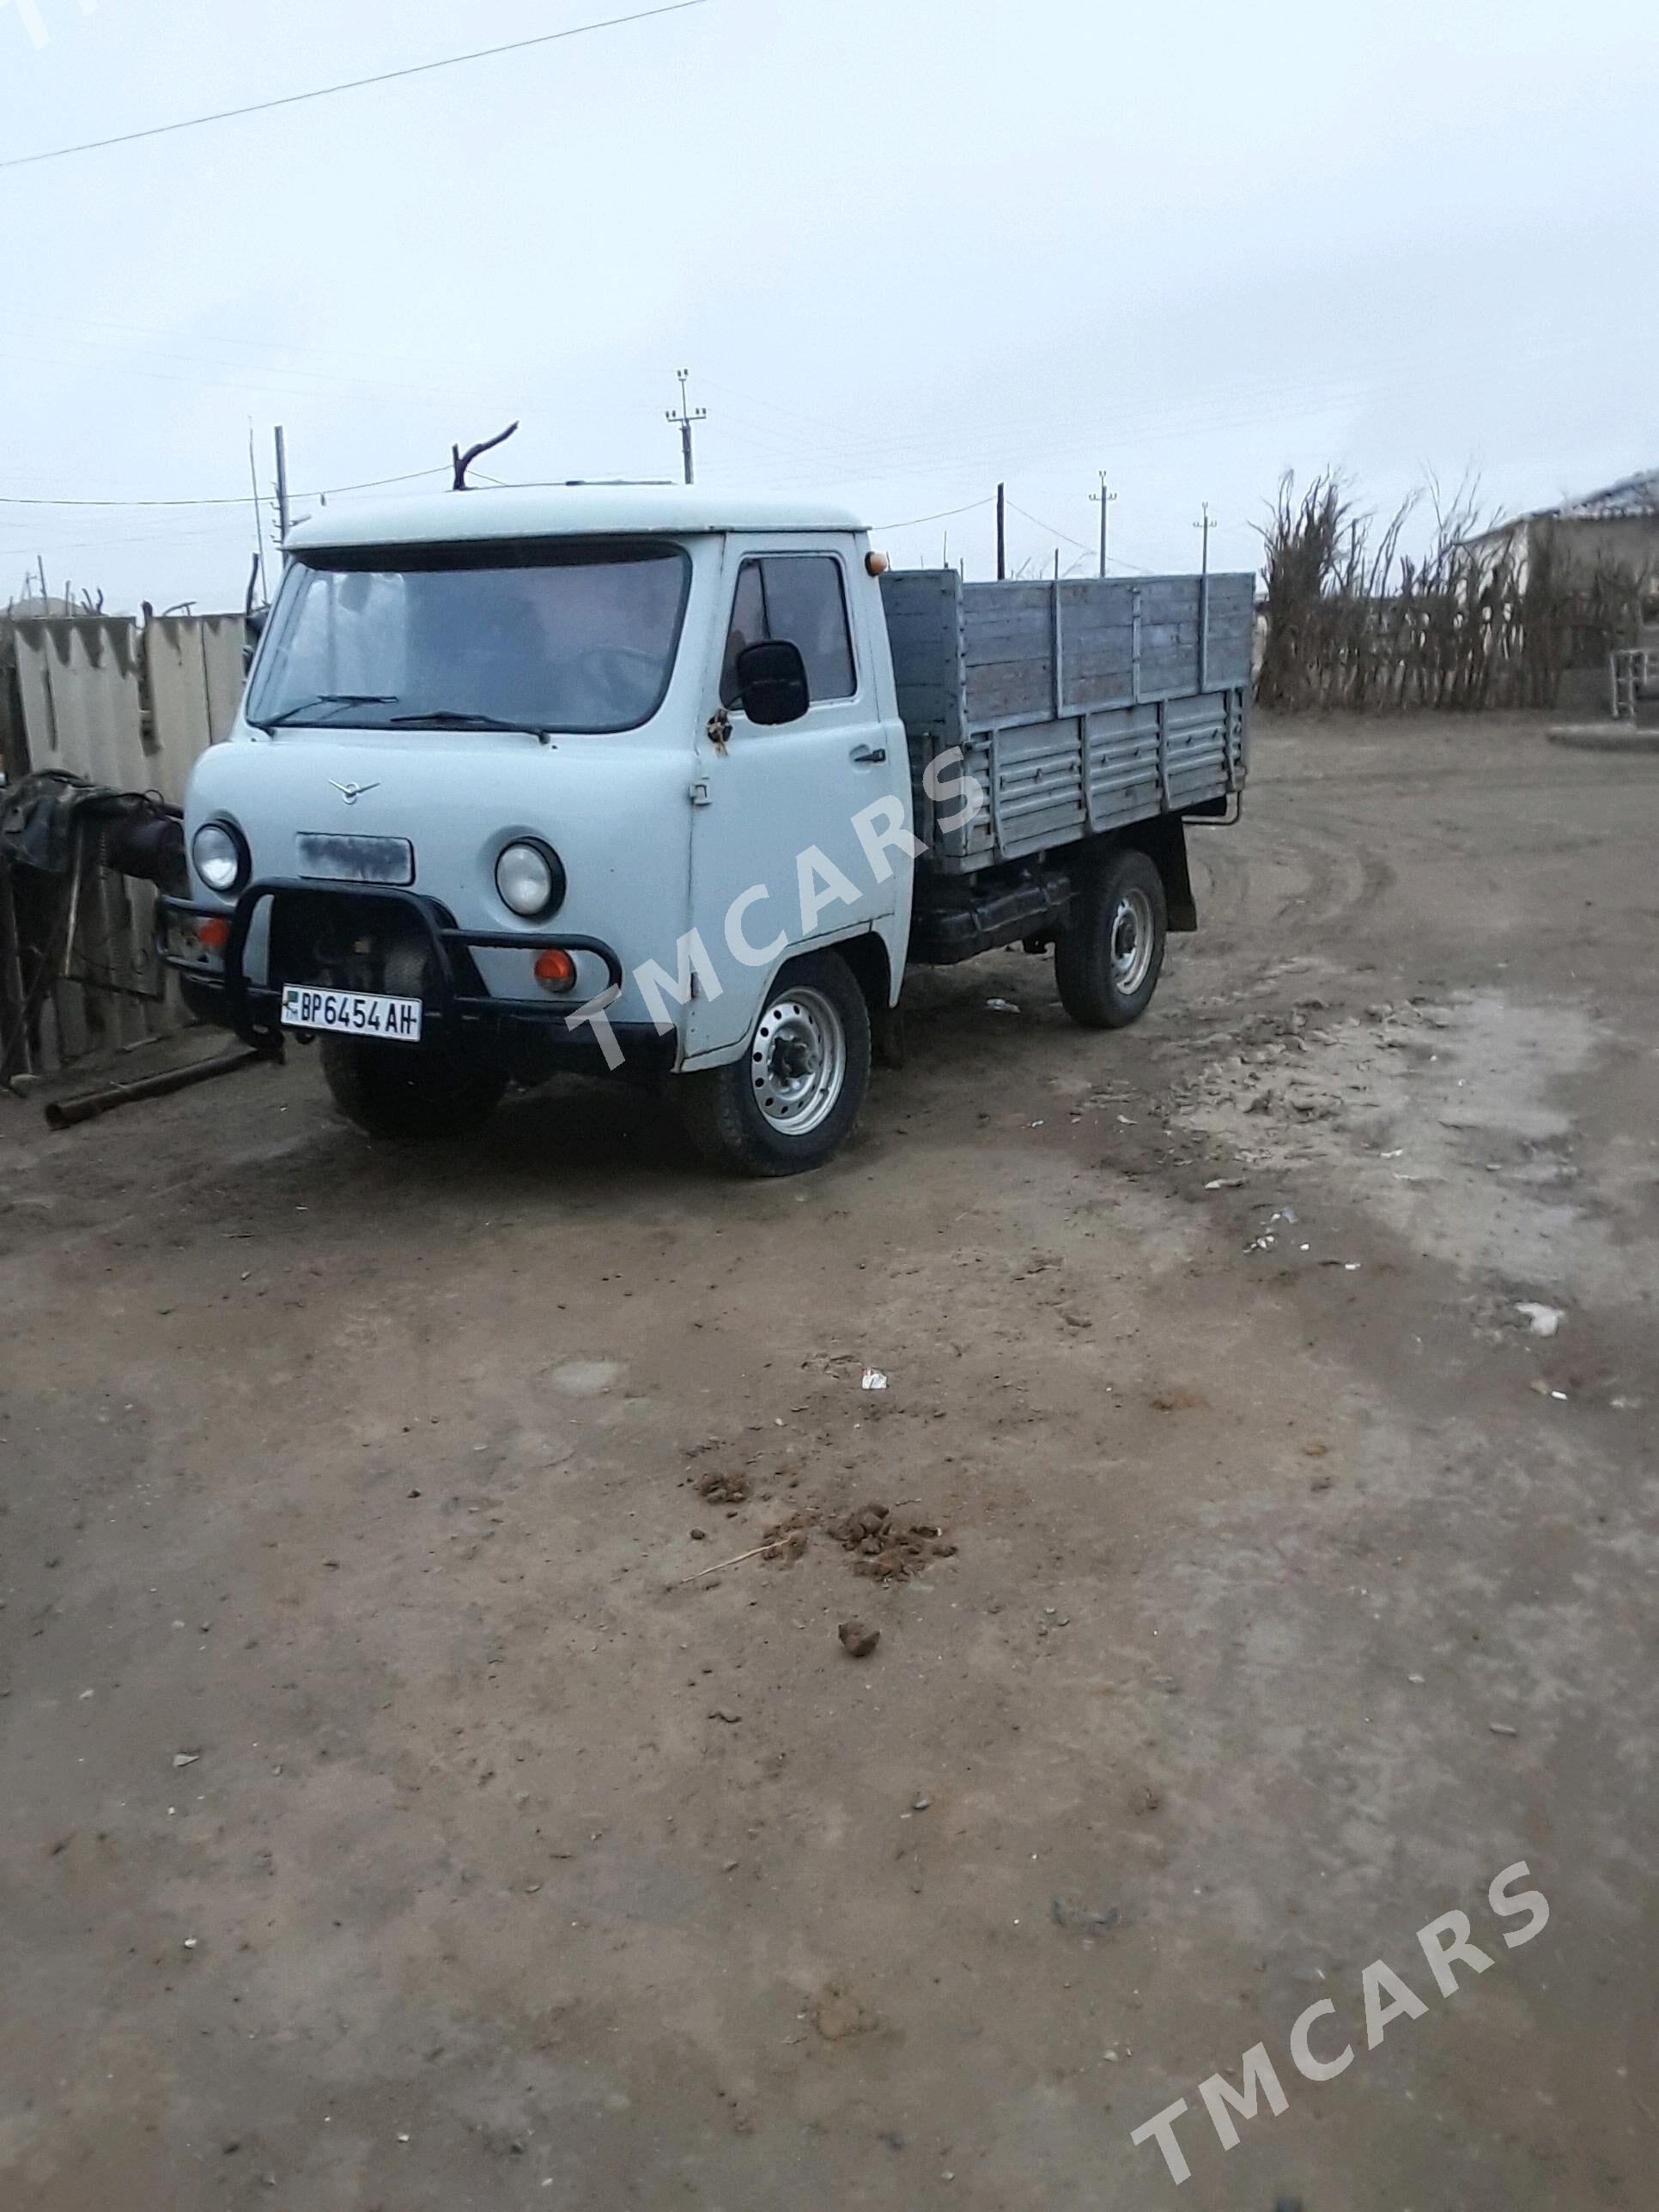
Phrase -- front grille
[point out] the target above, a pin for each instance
(350, 940)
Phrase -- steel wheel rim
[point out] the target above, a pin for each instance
(797, 1063)
(1131, 941)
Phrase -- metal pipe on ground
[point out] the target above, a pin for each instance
(70, 1113)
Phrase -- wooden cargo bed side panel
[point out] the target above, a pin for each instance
(1169, 600)
(1037, 773)
(1122, 766)
(1008, 651)
(927, 682)
(1099, 663)
(1230, 659)
(1150, 715)
(1007, 691)
(959, 837)
(1195, 733)
(1232, 605)
(923, 613)
(1007, 623)
(1097, 650)
(1168, 659)
(1122, 640)
(1171, 609)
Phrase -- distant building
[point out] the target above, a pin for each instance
(32, 610)
(1614, 531)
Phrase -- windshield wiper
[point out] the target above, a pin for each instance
(456, 718)
(308, 708)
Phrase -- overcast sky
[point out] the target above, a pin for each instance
(904, 247)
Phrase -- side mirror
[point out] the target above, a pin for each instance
(772, 686)
(253, 631)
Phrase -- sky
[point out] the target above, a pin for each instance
(906, 248)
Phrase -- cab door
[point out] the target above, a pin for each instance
(778, 862)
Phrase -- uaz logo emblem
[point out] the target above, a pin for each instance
(352, 792)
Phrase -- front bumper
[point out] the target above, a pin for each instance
(530, 1038)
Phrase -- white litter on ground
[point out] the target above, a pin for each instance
(1543, 1321)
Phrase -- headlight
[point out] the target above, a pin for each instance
(220, 857)
(530, 881)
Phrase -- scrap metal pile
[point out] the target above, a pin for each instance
(62, 837)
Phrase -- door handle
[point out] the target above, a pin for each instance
(869, 756)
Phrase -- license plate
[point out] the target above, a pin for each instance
(351, 1013)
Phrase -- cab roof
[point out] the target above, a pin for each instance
(561, 511)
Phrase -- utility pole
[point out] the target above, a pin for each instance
(1002, 532)
(1205, 525)
(1104, 500)
(259, 522)
(686, 417)
(281, 486)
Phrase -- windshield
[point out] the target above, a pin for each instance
(579, 636)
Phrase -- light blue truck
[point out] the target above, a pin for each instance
(677, 784)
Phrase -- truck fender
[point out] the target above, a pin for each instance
(1163, 840)
(866, 956)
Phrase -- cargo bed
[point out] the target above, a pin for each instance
(1081, 706)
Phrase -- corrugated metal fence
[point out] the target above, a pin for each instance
(129, 705)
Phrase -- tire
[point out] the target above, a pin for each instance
(789, 1103)
(1110, 954)
(401, 1091)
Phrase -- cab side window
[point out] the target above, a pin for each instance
(747, 626)
(799, 597)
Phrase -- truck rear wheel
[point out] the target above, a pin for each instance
(404, 1090)
(789, 1103)
(1110, 954)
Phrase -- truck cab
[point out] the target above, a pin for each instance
(526, 782)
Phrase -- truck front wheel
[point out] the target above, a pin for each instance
(404, 1090)
(789, 1103)
(1109, 955)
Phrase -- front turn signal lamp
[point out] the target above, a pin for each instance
(555, 969)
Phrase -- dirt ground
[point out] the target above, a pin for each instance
(1299, 1588)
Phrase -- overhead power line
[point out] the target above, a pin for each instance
(374, 484)
(1078, 542)
(353, 84)
(944, 515)
(1049, 527)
